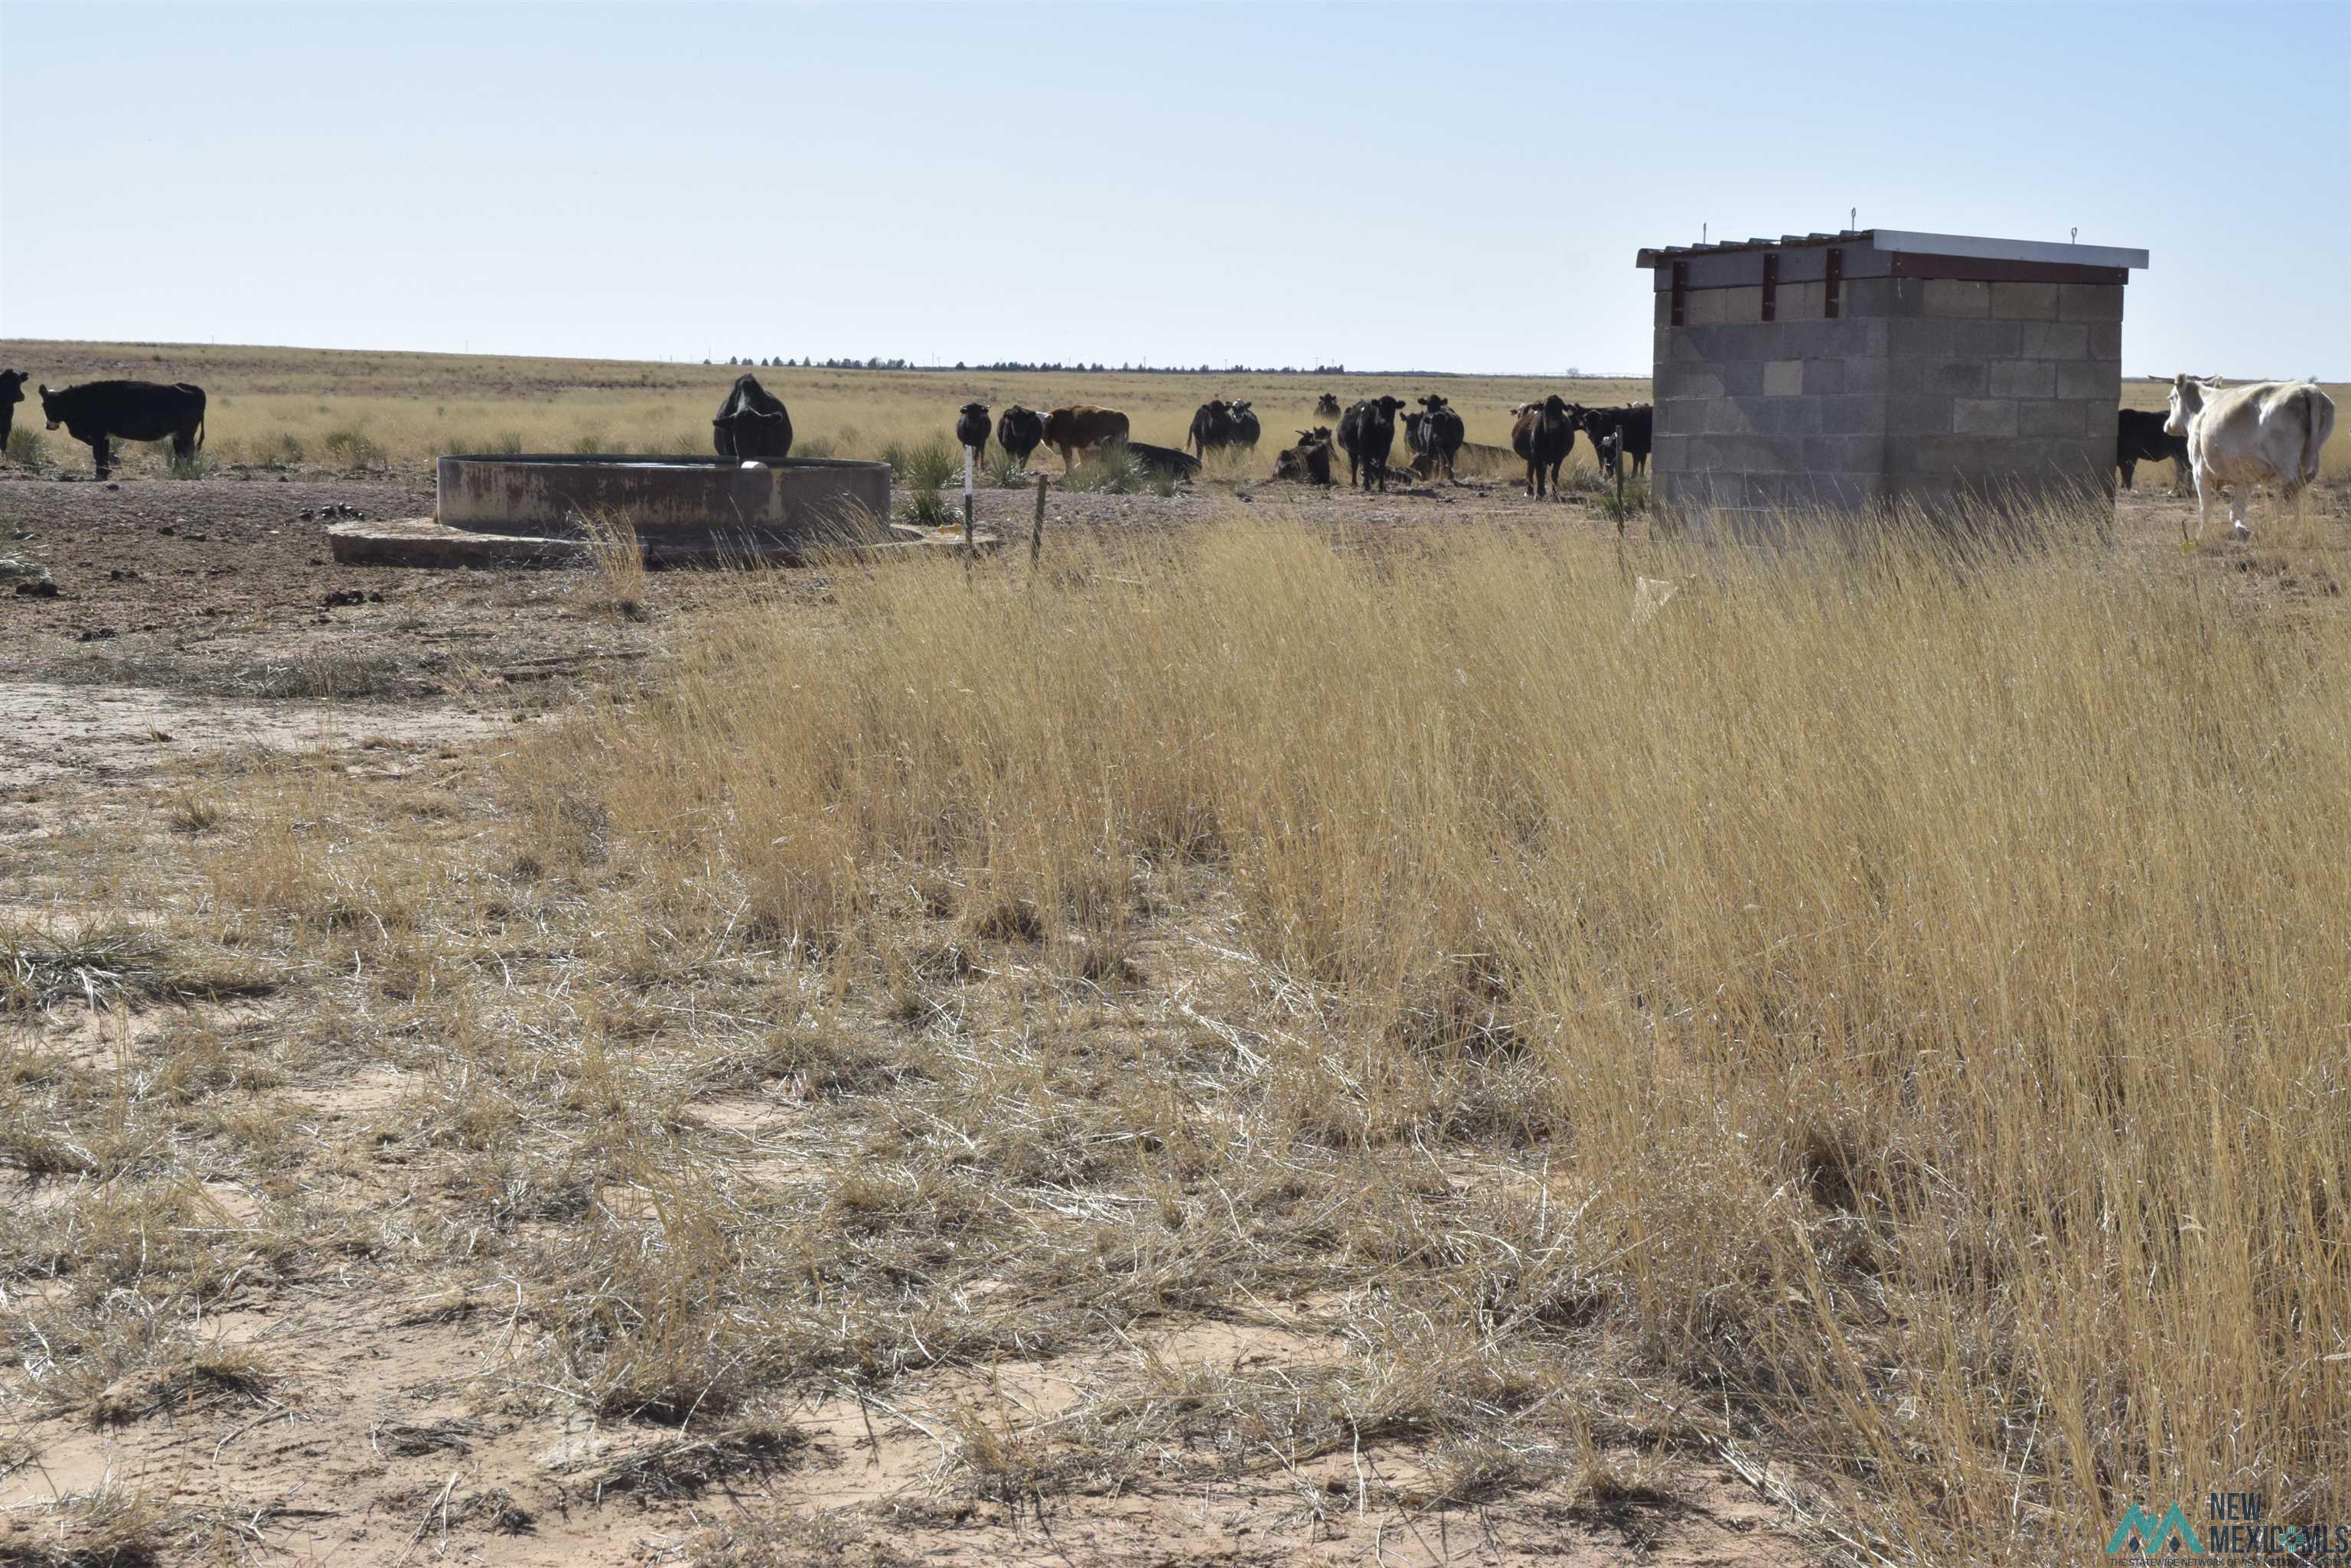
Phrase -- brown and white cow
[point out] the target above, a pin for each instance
(2263, 432)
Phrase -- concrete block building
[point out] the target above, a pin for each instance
(1860, 370)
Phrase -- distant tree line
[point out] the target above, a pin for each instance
(1079, 367)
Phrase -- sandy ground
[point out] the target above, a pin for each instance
(192, 620)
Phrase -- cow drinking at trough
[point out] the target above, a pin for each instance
(12, 393)
(752, 424)
(1367, 435)
(1019, 432)
(2264, 433)
(1212, 427)
(971, 428)
(1441, 433)
(1081, 427)
(95, 412)
(1543, 438)
(2139, 437)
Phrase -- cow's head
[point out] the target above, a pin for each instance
(1554, 405)
(12, 387)
(1388, 405)
(1432, 402)
(976, 409)
(49, 407)
(2187, 401)
(1240, 406)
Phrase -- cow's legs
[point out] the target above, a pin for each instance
(2126, 466)
(183, 448)
(2239, 497)
(99, 456)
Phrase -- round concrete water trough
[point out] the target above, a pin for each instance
(680, 506)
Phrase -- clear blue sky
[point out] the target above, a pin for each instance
(1422, 185)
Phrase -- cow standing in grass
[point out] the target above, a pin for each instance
(1212, 427)
(1019, 432)
(1367, 435)
(1441, 433)
(12, 393)
(1636, 420)
(1081, 427)
(2139, 437)
(1326, 407)
(1245, 425)
(1543, 438)
(2264, 433)
(95, 412)
(971, 428)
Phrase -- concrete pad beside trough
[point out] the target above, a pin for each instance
(427, 543)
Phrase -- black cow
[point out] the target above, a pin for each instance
(1165, 460)
(1326, 406)
(1019, 432)
(135, 411)
(1441, 435)
(1367, 435)
(1636, 419)
(971, 428)
(1245, 425)
(12, 393)
(1543, 438)
(1413, 441)
(1309, 460)
(2140, 438)
(1212, 426)
(752, 424)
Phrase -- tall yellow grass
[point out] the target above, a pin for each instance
(1937, 971)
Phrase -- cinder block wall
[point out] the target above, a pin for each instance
(1921, 390)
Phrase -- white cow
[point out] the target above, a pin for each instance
(2264, 433)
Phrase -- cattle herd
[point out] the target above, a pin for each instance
(1435, 436)
(2226, 437)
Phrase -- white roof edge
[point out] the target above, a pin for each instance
(1988, 249)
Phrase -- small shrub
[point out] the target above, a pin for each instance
(619, 561)
(924, 469)
(26, 449)
(1636, 501)
(1114, 469)
(591, 445)
(353, 447)
(817, 447)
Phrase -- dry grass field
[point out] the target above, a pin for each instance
(339, 411)
(1314, 1031)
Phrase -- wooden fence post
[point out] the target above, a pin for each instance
(1037, 527)
(967, 457)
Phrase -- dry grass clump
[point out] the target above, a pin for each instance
(106, 962)
(1919, 971)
